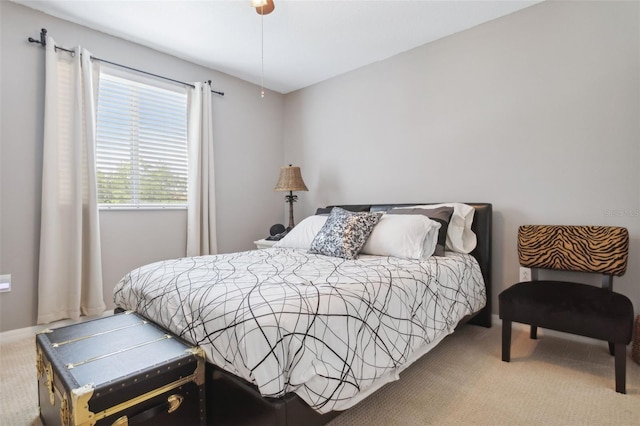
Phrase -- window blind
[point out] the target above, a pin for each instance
(141, 148)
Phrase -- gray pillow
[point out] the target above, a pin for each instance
(344, 233)
(442, 215)
(350, 207)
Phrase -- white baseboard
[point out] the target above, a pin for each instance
(545, 331)
(21, 333)
(11, 336)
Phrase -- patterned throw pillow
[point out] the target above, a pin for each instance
(344, 233)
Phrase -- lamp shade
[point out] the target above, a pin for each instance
(290, 180)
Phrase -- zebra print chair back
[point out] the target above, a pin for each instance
(598, 249)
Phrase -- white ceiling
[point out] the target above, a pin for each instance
(305, 41)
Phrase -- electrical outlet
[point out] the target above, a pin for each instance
(525, 274)
(5, 283)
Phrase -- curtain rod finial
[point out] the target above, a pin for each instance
(43, 38)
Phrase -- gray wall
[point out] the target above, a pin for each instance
(248, 136)
(536, 112)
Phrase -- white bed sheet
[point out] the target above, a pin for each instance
(329, 329)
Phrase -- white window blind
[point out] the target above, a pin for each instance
(141, 152)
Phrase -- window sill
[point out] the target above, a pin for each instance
(107, 207)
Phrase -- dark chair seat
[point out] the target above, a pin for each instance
(570, 307)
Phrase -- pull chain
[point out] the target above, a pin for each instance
(262, 53)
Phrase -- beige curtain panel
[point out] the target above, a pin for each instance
(201, 204)
(70, 273)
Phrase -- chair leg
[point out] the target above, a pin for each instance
(621, 366)
(612, 348)
(534, 332)
(506, 340)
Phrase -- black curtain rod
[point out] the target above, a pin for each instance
(43, 42)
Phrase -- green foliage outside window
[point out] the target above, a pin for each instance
(157, 184)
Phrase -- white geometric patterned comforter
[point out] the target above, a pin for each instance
(289, 321)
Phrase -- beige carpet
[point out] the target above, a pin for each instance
(551, 381)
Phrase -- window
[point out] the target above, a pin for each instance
(141, 149)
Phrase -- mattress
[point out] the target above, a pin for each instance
(330, 330)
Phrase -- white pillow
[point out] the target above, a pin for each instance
(303, 233)
(460, 237)
(405, 236)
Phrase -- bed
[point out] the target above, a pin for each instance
(294, 337)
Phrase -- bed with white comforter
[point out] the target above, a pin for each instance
(329, 329)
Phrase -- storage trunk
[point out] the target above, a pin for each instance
(119, 370)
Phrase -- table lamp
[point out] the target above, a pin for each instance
(290, 180)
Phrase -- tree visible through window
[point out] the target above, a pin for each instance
(141, 153)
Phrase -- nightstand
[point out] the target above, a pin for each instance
(264, 243)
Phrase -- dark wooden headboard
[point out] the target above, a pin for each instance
(482, 226)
